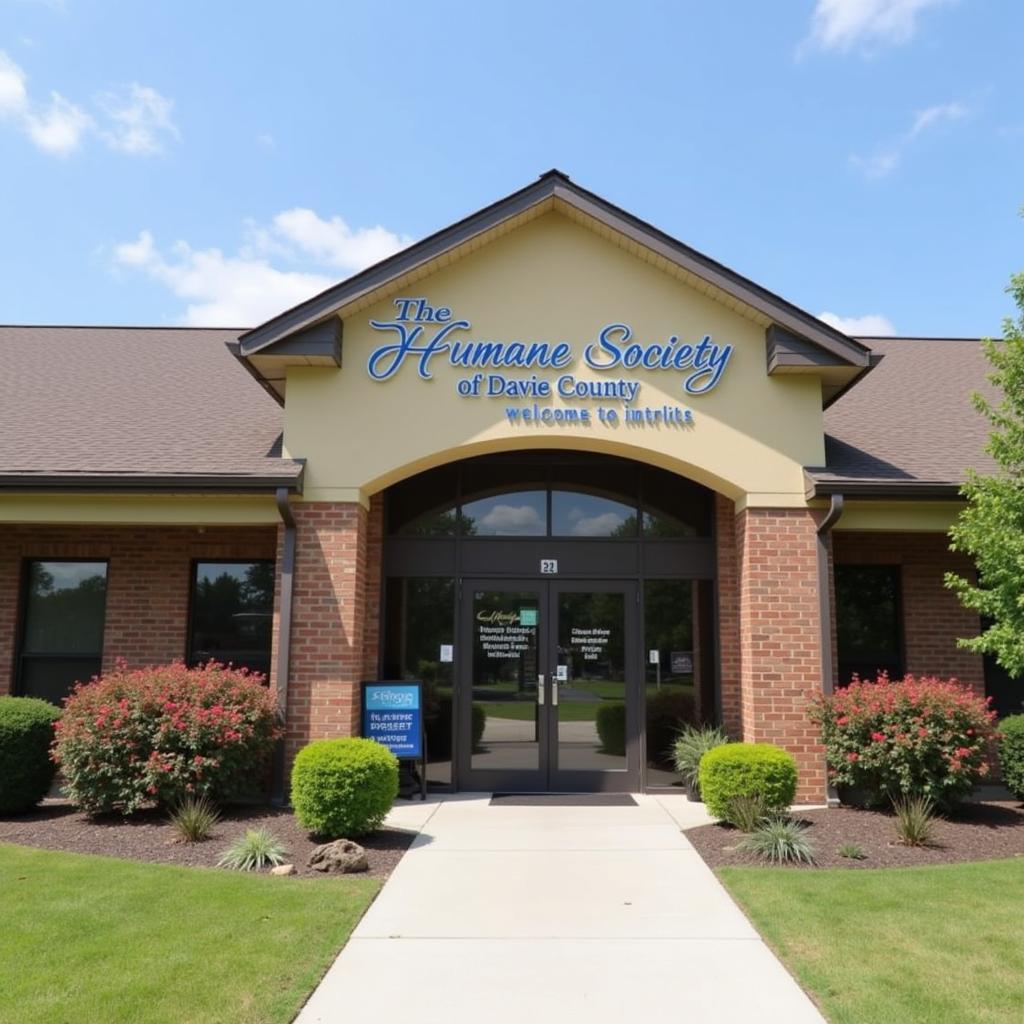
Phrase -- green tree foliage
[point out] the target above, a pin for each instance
(991, 527)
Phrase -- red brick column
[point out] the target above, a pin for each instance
(329, 622)
(780, 636)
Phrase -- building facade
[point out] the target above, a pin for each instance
(580, 479)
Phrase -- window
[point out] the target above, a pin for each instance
(232, 614)
(62, 626)
(868, 621)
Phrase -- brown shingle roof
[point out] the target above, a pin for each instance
(910, 422)
(137, 403)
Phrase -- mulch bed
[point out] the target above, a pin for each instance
(56, 825)
(979, 831)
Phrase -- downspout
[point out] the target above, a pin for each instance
(284, 638)
(835, 510)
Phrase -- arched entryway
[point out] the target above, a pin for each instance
(559, 606)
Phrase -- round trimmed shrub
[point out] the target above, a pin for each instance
(610, 721)
(26, 771)
(1011, 753)
(759, 771)
(343, 788)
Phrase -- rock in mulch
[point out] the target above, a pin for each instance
(283, 869)
(342, 856)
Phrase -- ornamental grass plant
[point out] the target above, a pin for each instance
(916, 736)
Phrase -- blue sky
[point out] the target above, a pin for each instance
(166, 163)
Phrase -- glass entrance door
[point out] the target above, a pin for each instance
(548, 693)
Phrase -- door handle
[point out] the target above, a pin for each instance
(540, 689)
(554, 692)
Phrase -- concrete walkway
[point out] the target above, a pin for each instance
(529, 915)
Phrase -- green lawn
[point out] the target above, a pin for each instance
(932, 945)
(96, 939)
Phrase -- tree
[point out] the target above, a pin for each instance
(991, 527)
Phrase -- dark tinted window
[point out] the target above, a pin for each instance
(424, 505)
(232, 614)
(62, 638)
(868, 624)
(504, 499)
(674, 506)
(596, 500)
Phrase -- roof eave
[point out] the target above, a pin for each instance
(191, 483)
(882, 490)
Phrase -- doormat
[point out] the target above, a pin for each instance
(562, 800)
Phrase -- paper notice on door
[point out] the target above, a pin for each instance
(654, 657)
(447, 652)
(563, 673)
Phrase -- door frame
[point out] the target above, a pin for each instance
(547, 777)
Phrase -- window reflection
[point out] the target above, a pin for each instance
(232, 613)
(513, 514)
(574, 514)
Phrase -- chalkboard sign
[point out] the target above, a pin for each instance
(393, 716)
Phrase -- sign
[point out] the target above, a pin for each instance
(393, 716)
(562, 673)
(549, 566)
(654, 656)
(682, 663)
(447, 653)
(527, 616)
(424, 336)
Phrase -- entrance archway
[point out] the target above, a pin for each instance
(559, 607)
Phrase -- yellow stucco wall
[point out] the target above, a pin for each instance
(555, 280)
(145, 509)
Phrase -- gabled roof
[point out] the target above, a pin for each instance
(909, 428)
(140, 408)
(305, 333)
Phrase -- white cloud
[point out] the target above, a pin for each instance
(247, 288)
(870, 323)
(140, 120)
(931, 116)
(513, 520)
(266, 140)
(13, 95)
(333, 242)
(59, 128)
(885, 161)
(137, 121)
(602, 525)
(844, 25)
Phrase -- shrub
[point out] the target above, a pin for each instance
(26, 771)
(915, 820)
(692, 743)
(747, 769)
(1011, 753)
(851, 851)
(158, 735)
(194, 818)
(745, 812)
(780, 840)
(343, 788)
(255, 850)
(610, 721)
(917, 736)
(668, 711)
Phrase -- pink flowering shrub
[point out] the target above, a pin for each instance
(129, 739)
(913, 737)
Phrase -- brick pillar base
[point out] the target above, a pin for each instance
(780, 636)
(329, 616)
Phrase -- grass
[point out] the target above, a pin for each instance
(928, 945)
(97, 939)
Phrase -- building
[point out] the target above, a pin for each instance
(579, 478)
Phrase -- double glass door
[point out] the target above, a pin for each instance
(548, 696)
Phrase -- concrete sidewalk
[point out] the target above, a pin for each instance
(535, 914)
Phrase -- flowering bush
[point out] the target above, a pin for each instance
(158, 735)
(915, 737)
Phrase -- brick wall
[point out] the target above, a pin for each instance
(335, 600)
(933, 618)
(148, 581)
(780, 656)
